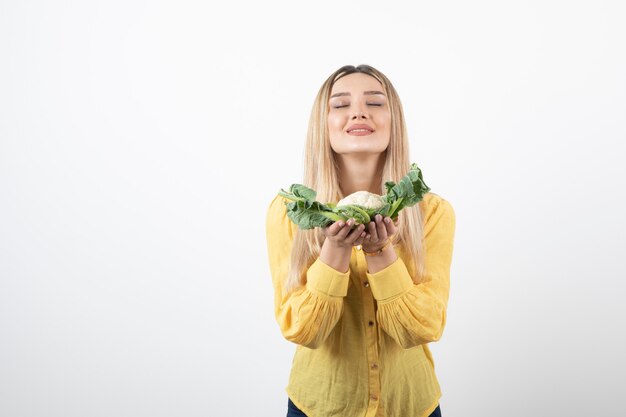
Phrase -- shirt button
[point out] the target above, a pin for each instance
(374, 366)
(374, 398)
(371, 323)
(366, 284)
(358, 247)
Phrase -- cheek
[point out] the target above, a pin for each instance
(335, 123)
(385, 124)
(387, 119)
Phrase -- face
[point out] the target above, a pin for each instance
(359, 120)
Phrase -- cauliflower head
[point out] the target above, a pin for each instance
(364, 199)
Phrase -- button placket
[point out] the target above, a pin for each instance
(371, 336)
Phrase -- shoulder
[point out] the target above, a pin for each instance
(436, 208)
(276, 210)
(432, 202)
(277, 205)
(276, 217)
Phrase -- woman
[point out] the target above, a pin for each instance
(361, 303)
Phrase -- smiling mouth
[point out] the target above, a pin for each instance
(360, 132)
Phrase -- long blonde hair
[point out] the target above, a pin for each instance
(320, 174)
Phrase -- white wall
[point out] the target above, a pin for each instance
(142, 141)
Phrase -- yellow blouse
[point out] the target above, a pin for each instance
(363, 338)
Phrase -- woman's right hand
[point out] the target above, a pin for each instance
(341, 234)
(337, 247)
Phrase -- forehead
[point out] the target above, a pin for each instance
(356, 83)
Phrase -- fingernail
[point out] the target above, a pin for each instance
(387, 220)
(341, 224)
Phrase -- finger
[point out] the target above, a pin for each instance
(355, 234)
(392, 227)
(381, 228)
(371, 230)
(341, 235)
(360, 240)
(334, 228)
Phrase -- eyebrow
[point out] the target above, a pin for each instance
(365, 92)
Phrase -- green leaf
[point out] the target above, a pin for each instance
(407, 192)
(307, 213)
(354, 211)
(303, 192)
(303, 210)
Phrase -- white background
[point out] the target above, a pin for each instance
(142, 141)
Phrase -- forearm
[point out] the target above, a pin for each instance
(382, 260)
(308, 317)
(336, 256)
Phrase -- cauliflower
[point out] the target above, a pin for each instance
(362, 206)
(363, 198)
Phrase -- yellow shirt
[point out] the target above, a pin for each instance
(363, 338)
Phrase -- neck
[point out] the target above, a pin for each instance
(360, 173)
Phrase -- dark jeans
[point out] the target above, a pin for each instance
(293, 411)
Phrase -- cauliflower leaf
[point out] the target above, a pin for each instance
(307, 213)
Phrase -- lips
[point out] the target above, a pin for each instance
(360, 130)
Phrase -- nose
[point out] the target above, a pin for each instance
(359, 115)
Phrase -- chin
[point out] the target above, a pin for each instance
(360, 151)
(347, 147)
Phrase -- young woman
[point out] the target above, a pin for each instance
(361, 303)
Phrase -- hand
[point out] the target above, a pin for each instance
(341, 234)
(378, 232)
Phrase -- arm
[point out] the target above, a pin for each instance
(307, 315)
(414, 314)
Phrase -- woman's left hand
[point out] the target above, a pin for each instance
(378, 232)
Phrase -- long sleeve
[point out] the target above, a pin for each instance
(414, 314)
(307, 315)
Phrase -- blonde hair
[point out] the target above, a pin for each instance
(320, 174)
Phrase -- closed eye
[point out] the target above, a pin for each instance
(374, 104)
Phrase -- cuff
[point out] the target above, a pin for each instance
(323, 279)
(391, 282)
